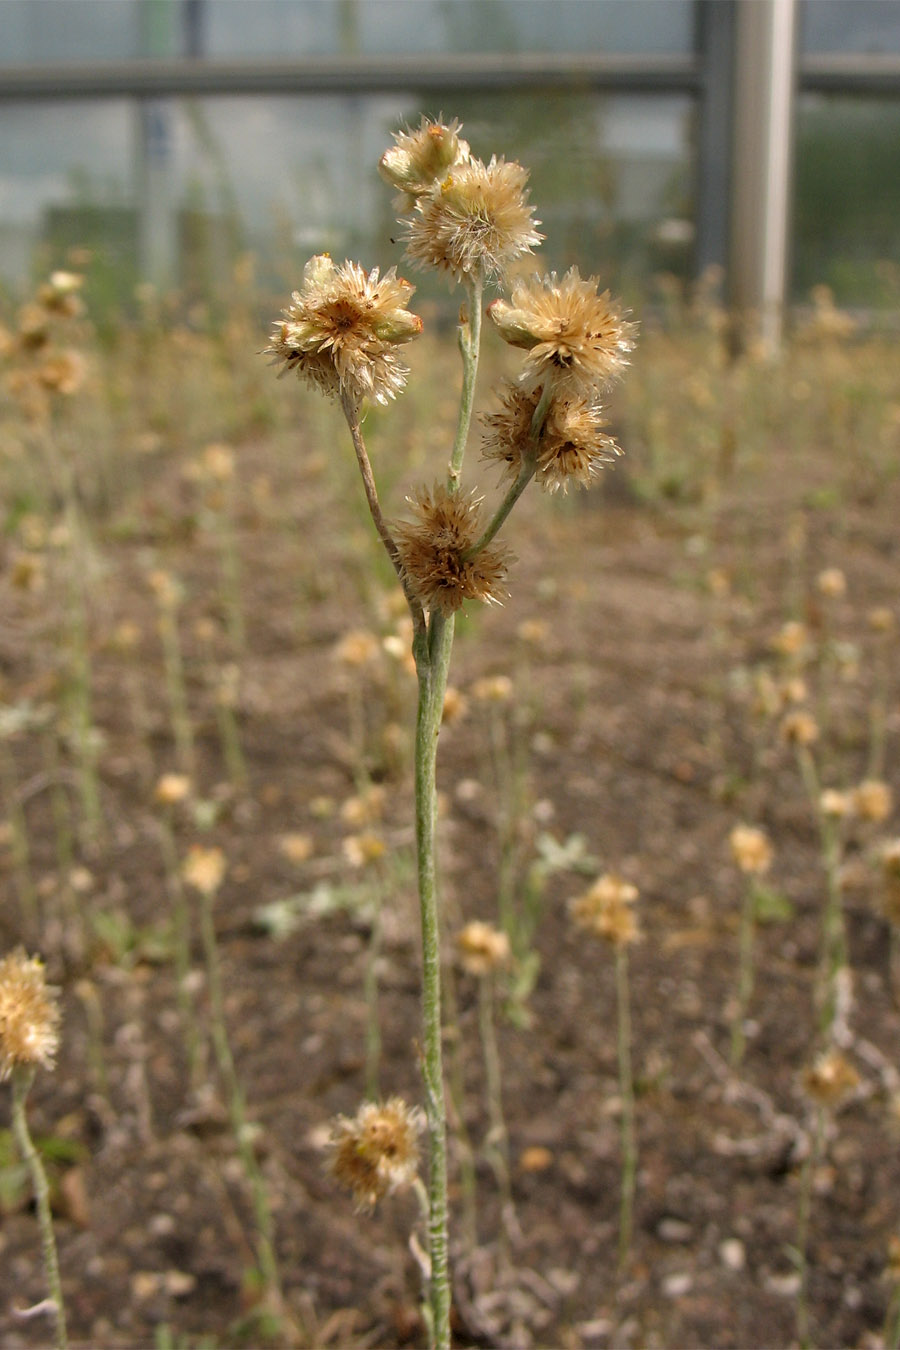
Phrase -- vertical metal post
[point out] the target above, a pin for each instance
(763, 149)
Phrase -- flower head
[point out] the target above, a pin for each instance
(420, 157)
(376, 1151)
(832, 583)
(342, 328)
(570, 446)
(606, 910)
(873, 800)
(799, 728)
(482, 949)
(831, 1079)
(573, 335)
(204, 869)
(478, 216)
(29, 1015)
(433, 550)
(750, 849)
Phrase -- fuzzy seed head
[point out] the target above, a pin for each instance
(376, 1151)
(607, 910)
(172, 788)
(832, 583)
(204, 869)
(475, 219)
(750, 849)
(573, 335)
(63, 372)
(357, 648)
(432, 549)
(360, 850)
(873, 800)
(570, 446)
(341, 331)
(881, 619)
(482, 949)
(836, 804)
(493, 689)
(831, 1079)
(800, 728)
(29, 1015)
(419, 158)
(791, 640)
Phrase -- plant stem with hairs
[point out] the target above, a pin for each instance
(22, 1078)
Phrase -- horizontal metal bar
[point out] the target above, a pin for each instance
(872, 75)
(877, 76)
(340, 75)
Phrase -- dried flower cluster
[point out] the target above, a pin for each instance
(750, 849)
(607, 910)
(376, 1152)
(482, 949)
(43, 362)
(552, 418)
(571, 447)
(478, 217)
(575, 338)
(831, 1079)
(342, 330)
(204, 869)
(29, 1015)
(436, 552)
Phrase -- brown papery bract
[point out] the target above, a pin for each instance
(432, 551)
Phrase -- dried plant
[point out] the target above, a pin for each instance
(29, 1040)
(343, 333)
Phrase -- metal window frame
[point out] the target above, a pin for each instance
(707, 75)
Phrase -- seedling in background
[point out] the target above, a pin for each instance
(606, 911)
(342, 333)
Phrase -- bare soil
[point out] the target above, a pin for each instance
(632, 726)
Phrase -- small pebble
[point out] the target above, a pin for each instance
(681, 1282)
(673, 1230)
(733, 1253)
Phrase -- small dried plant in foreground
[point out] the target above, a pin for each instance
(343, 334)
(29, 1039)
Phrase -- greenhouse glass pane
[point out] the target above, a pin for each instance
(836, 26)
(393, 27)
(847, 199)
(287, 177)
(46, 31)
(36, 31)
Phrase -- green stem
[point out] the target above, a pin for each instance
(433, 661)
(370, 985)
(351, 413)
(469, 347)
(265, 1247)
(181, 950)
(22, 1079)
(526, 473)
(834, 939)
(745, 971)
(626, 1091)
(805, 1206)
(498, 1138)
